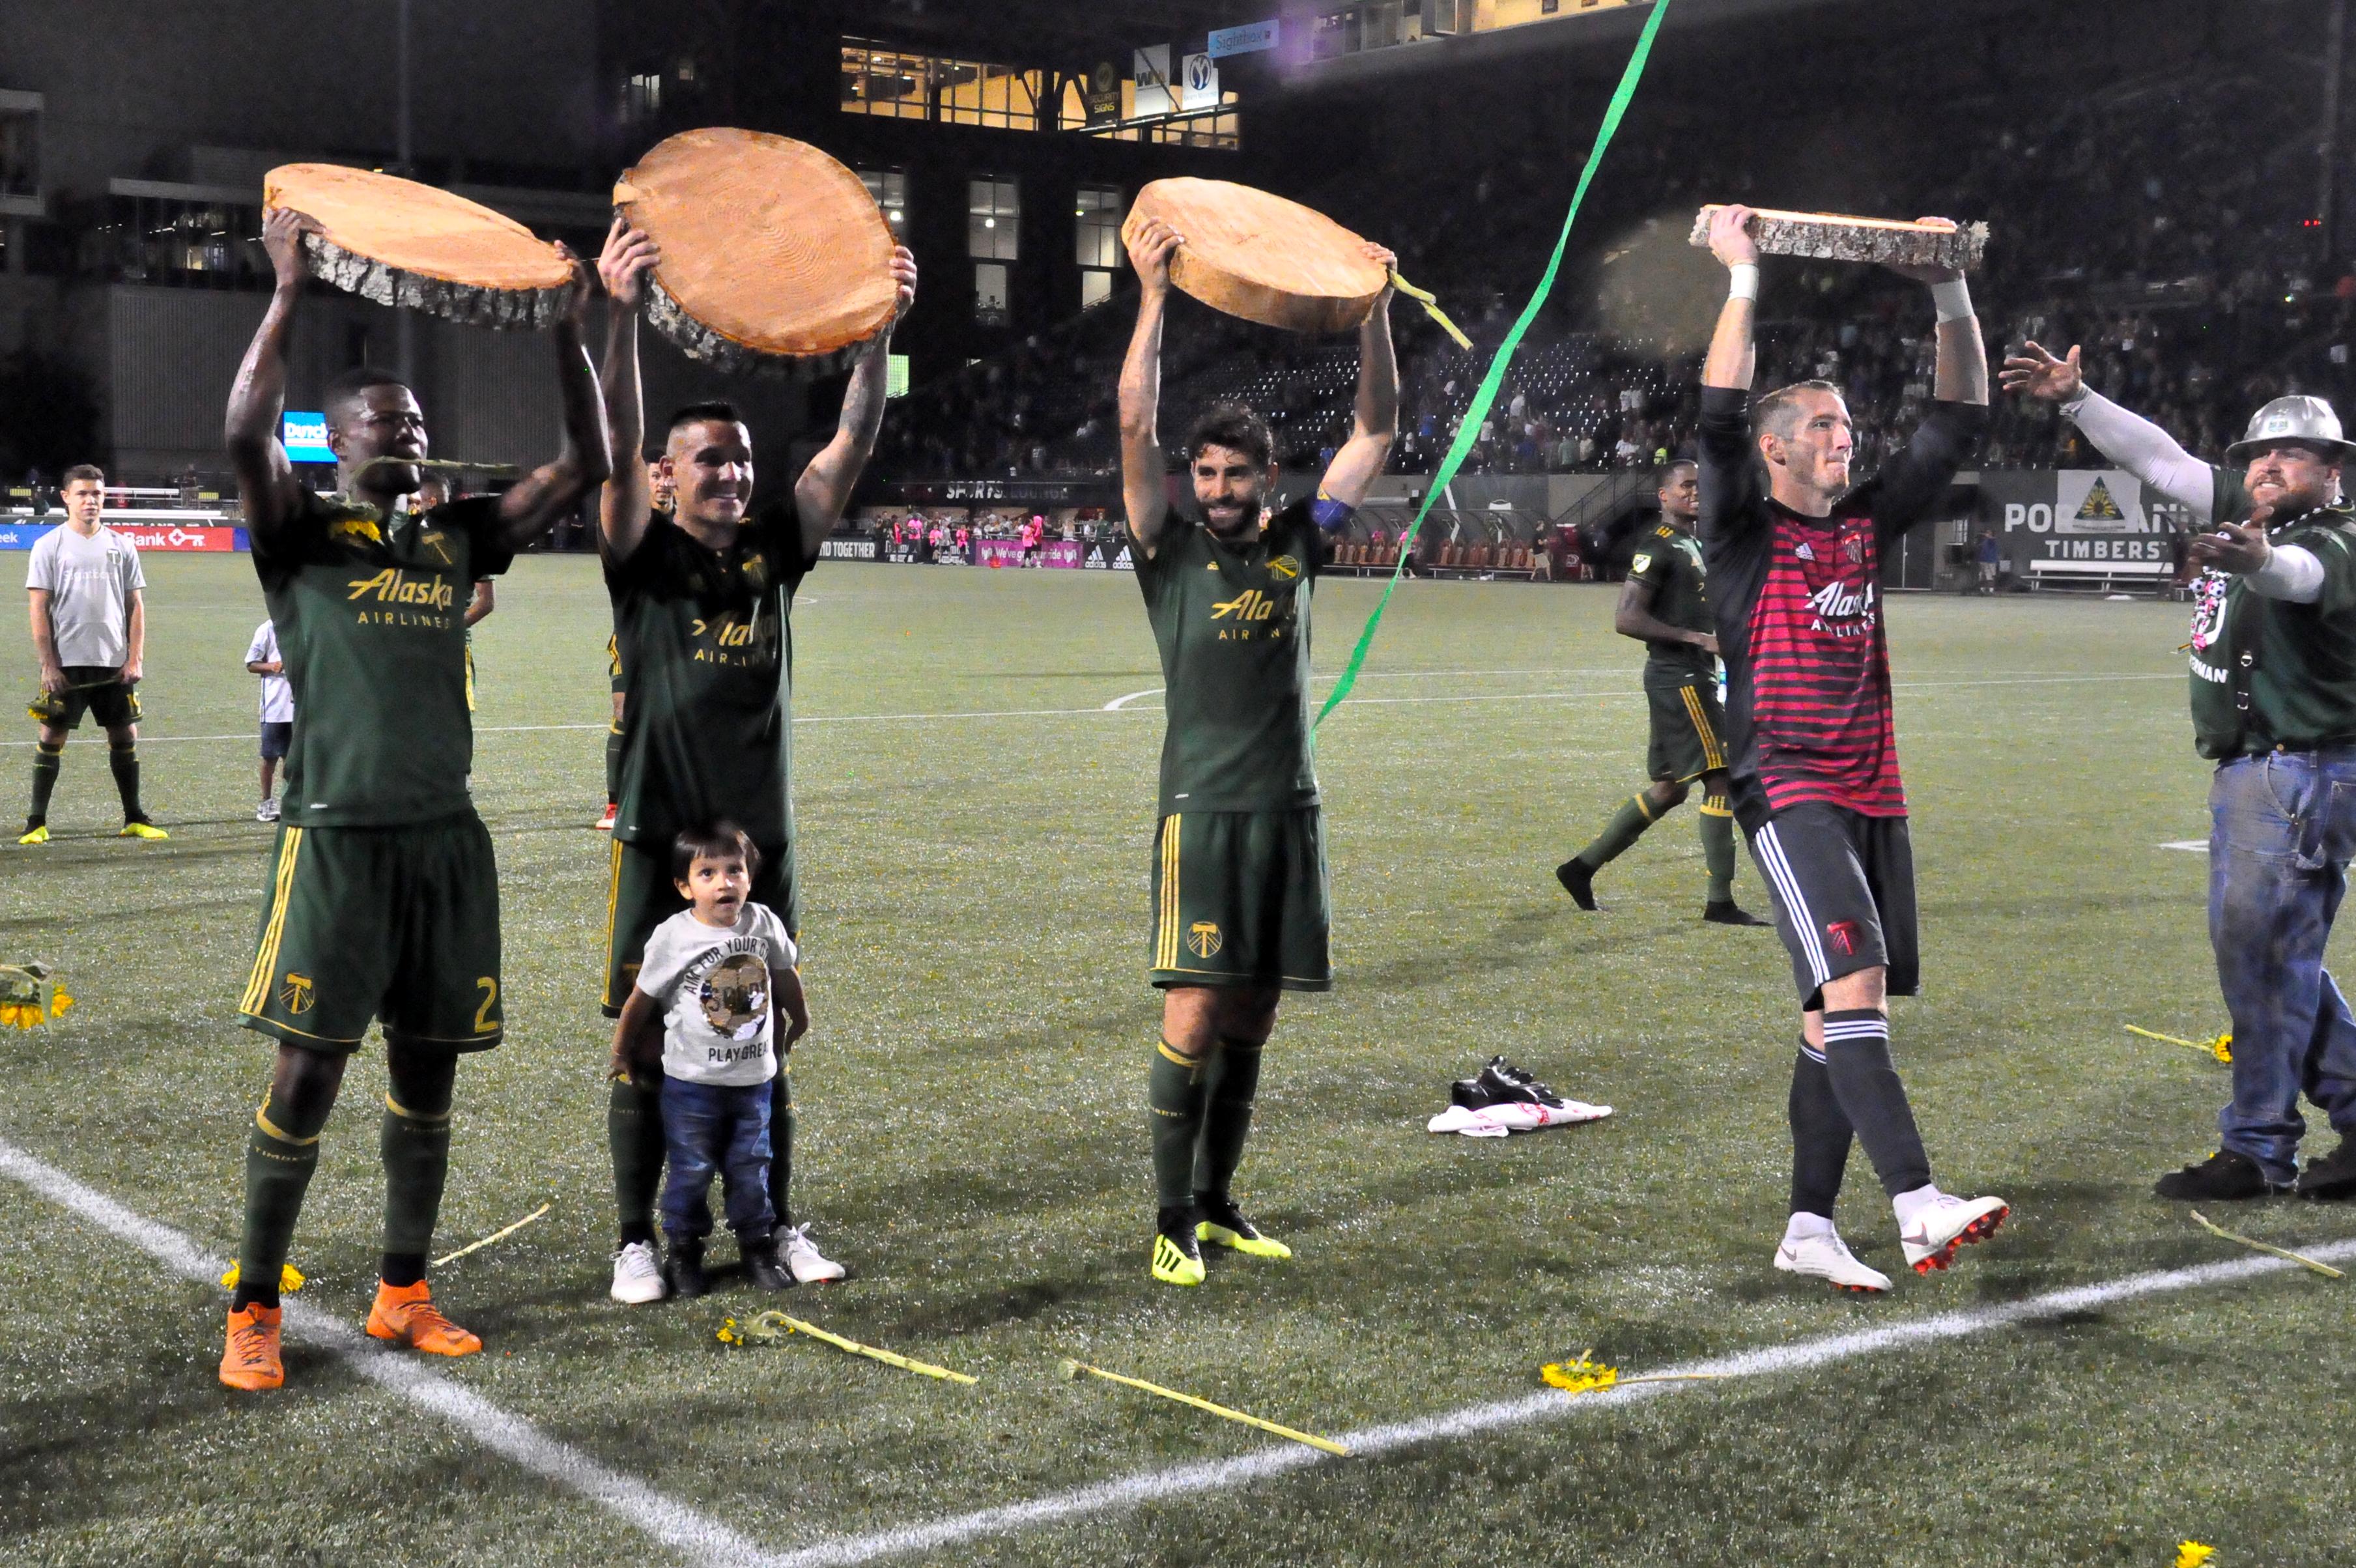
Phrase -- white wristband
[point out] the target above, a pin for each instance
(1742, 281)
(1953, 299)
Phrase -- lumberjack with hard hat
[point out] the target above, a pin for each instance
(2273, 705)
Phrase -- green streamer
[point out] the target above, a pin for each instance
(1485, 395)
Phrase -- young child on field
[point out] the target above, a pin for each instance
(262, 658)
(709, 987)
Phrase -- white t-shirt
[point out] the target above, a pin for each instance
(713, 984)
(89, 583)
(277, 695)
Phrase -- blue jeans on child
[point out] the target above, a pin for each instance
(722, 1128)
(2284, 830)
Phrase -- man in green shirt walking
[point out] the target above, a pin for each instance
(2273, 705)
(1665, 604)
(383, 901)
(1241, 910)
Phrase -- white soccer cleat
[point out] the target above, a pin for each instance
(809, 1266)
(1825, 1256)
(637, 1277)
(1946, 1222)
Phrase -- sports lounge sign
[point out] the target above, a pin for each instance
(2076, 514)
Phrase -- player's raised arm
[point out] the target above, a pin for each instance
(626, 497)
(1734, 357)
(1144, 472)
(1355, 468)
(1730, 469)
(1912, 481)
(265, 479)
(2133, 442)
(555, 489)
(824, 491)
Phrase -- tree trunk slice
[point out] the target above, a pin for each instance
(409, 245)
(1837, 236)
(770, 248)
(1263, 257)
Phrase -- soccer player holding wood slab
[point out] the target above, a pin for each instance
(1242, 912)
(1794, 554)
(384, 899)
(702, 598)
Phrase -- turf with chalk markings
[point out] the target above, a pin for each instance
(973, 1133)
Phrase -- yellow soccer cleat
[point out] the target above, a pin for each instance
(36, 835)
(1224, 1226)
(1177, 1259)
(407, 1315)
(142, 831)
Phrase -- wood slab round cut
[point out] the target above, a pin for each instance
(770, 248)
(402, 243)
(1263, 257)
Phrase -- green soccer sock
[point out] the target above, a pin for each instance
(1174, 1098)
(1718, 847)
(416, 1147)
(47, 760)
(1626, 826)
(1230, 1085)
(124, 760)
(781, 1145)
(634, 1133)
(280, 1156)
(613, 764)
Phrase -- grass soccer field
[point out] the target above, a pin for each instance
(976, 833)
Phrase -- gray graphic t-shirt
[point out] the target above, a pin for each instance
(713, 984)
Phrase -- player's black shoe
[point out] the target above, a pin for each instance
(1578, 879)
(2223, 1178)
(2333, 1177)
(683, 1271)
(1729, 914)
(765, 1268)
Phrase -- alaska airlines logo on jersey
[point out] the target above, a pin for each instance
(1248, 608)
(736, 643)
(1841, 609)
(425, 601)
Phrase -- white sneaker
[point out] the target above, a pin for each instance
(1824, 1256)
(637, 1277)
(809, 1266)
(266, 812)
(1935, 1229)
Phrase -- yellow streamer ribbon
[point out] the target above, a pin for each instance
(1073, 1368)
(2221, 1048)
(1430, 307)
(2326, 1270)
(493, 1236)
(289, 1280)
(768, 1325)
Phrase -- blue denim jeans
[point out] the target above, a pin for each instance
(2283, 831)
(713, 1128)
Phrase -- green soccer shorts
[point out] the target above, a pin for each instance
(93, 689)
(397, 924)
(1242, 899)
(641, 896)
(1688, 721)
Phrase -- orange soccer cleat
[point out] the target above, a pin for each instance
(251, 1361)
(407, 1313)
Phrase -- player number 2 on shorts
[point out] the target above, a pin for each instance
(483, 1025)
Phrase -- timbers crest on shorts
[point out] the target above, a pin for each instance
(1202, 939)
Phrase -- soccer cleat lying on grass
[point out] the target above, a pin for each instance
(1502, 1098)
(406, 1313)
(1945, 1223)
(1826, 1257)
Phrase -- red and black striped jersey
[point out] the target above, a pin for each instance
(1799, 613)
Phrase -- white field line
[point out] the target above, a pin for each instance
(1114, 706)
(673, 1523)
(1806, 1355)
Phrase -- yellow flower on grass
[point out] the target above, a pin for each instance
(58, 1003)
(289, 1279)
(1578, 1377)
(2192, 1553)
(2221, 1048)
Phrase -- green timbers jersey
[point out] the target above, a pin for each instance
(705, 638)
(1668, 561)
(370, 614)
(1232, 628)
(2300, 674)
